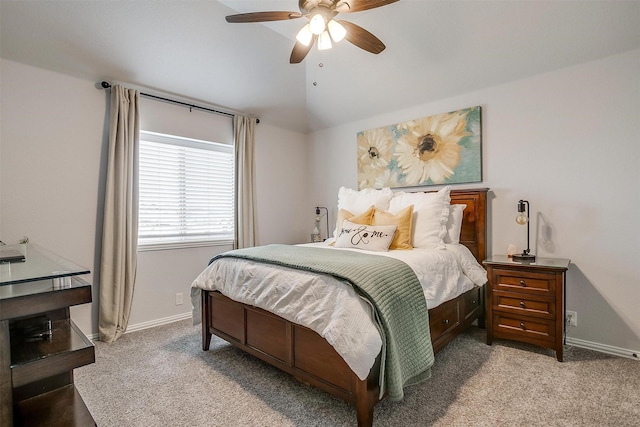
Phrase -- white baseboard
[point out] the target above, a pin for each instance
(150, 324)
(603, 348)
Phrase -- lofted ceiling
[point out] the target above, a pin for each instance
(435, 49)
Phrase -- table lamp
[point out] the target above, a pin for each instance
(316, 236)
(522, 219)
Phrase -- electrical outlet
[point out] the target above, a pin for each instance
(571, 318)
(179, 298)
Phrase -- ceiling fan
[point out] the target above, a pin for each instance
(322, 27)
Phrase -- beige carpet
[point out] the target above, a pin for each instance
(161, 377)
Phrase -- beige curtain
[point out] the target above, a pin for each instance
(120, 230)
(246, 218)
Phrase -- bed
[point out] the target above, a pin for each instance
(302, 352)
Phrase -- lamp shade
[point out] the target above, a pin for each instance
(324, 41)
(305, 35)
(522, 217)
(317, 24)
(336, 30)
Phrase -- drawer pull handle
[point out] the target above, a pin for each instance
(522, 304)
(523, 283)
(522, 325)
(445, 321)
(474, 302)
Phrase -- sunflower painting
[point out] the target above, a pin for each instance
(440, 149)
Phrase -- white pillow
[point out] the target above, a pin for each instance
(430, 215)
(367, 237)
(357, 202)
(454, 224)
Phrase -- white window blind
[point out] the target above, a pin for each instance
(186, 191)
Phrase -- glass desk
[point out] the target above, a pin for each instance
(36, 361)
(39, 264)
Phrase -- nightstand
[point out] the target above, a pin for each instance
(526, 301)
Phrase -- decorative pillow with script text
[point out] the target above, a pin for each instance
(367, 237)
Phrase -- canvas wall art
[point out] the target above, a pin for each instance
(441, 149)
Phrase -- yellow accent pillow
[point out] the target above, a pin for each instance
(403, 219)
(363, 219)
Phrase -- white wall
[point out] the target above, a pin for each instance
(52, 167)
(569, 142)
(52, 132)
(282, 181)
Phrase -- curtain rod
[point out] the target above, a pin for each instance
(107, 85)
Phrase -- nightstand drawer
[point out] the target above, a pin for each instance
(525, 327)
(523, 281)
(524, 304)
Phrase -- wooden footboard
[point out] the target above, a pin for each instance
(292, 348)
(310, 358)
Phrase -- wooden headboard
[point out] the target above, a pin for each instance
(474, 223)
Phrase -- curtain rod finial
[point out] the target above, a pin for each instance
(105, 85)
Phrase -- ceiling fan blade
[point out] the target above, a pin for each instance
(360, 5)
(262, 17)
(362, 38)
(300, 51)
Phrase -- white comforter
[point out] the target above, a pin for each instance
(331, 307)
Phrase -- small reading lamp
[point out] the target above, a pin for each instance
(522, 219)
(316, 236)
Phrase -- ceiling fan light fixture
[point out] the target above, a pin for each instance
(320, 25)
(336, 30)
(305, 35)
(324, 41)
(317, 24)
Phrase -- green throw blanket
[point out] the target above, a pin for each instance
(389, 285)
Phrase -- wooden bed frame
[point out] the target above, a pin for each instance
(310, 358)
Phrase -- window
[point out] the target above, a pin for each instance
(186, 192)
